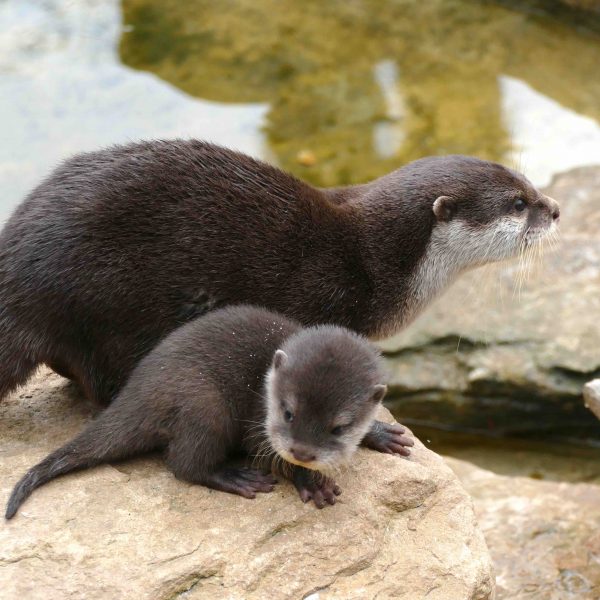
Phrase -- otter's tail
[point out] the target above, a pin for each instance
(112, 436)
(59, 462)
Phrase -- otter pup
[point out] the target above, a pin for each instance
(118, 247)
(240, 379)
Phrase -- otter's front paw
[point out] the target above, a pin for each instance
(388, 438)
(242, 481)
(314, 485)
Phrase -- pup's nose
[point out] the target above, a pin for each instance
(302, 454)
(556, 214)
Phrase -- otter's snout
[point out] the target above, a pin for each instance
(553, 207)
(302, 454)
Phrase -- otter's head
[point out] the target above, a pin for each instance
(484, 212)
(425, 223)
(322, 390)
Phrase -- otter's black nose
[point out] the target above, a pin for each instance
(552, 204)
(302, 454)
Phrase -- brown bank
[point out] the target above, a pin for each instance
(402, 528)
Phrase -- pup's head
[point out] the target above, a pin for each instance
(322, 390)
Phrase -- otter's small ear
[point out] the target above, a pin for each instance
(379, 392)
(444, 208)
(279, 359)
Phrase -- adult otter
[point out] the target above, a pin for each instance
(118, 247)
(240, 378)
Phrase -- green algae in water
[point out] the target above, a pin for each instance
(367, 86)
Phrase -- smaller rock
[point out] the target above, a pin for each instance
(591, 396)
(543, 535)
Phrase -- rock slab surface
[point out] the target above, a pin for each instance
(401, 529)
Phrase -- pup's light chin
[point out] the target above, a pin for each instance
(312, 465)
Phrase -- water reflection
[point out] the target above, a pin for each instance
(366, 86)
(547, 137)
(388, 136)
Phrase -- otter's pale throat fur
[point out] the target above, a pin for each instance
(118, 247)
(241, 379)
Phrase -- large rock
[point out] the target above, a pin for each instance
(498, 356)
(543, 536)
(401, 529)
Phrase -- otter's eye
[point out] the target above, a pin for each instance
(337, 430)
(288, 416)
(520, 205)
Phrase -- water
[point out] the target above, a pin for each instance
(516, 457)
(337, 92)
(63, 89)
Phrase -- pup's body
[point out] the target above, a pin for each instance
(119, 247)
(240, 379)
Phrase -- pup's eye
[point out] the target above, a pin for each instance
(337, 430)
(288, 416)
(520, 205)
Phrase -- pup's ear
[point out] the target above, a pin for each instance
(379, 392)
(279, 359)
(444, 208)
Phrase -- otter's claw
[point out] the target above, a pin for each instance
(388, 438)
(242, 481)
(314, 485)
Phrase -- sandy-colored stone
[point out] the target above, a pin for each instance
(591, 396)
(494, 354)
(544, 536)
(401, 529)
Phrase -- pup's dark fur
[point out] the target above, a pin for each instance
(118, 247)
(210, 388)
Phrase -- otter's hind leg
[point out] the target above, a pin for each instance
(105, 369)
(60, 368)
(16, 361)
(203, 437)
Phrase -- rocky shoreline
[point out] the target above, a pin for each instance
(405, 529)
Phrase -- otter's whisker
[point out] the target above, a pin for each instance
(522, 273)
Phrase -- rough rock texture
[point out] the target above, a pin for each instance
(401, 529)
(490, 357)
(544, 536)
(591, 396)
